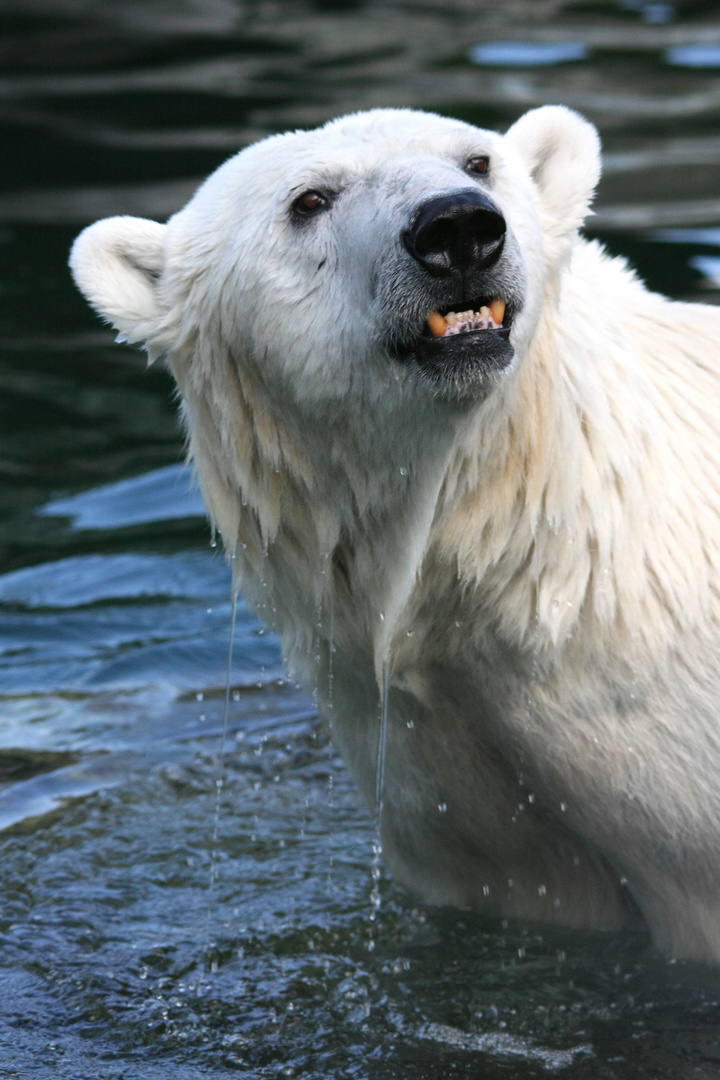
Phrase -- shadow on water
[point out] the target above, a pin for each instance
(115, 960)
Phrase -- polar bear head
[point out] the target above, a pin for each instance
(327, 262)
(335, 306)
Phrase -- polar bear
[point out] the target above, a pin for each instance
(469, 467)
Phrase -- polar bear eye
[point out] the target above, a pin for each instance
(310, 202)
(478, 165)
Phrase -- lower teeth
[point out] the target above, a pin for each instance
(489, 317)
(475, 322)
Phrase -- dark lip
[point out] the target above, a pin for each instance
(490, 350)
(468, 338)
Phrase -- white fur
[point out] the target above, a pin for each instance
(533, 569)
(116, 264)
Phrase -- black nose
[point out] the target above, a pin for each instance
(456, 234)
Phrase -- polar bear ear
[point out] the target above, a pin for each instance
(116, 264)
(562, 153)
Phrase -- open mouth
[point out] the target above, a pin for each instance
(459, 347)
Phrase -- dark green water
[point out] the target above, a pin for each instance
(138, 939)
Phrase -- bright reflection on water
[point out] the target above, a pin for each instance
(116, 957)
(527, 53)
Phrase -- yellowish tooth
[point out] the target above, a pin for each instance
(436, 324)
(497, 309)
(451, 318)
(485, 311)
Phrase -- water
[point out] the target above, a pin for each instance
(116, 958)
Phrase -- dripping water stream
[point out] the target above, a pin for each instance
(375, 898)
(211, 965)
(331, 650)
(382, 748)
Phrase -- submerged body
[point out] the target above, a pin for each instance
(510, 523)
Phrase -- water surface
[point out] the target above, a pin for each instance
(136, 940)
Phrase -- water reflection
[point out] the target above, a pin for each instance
(528, 53)
(160, 495)
(702, 55)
